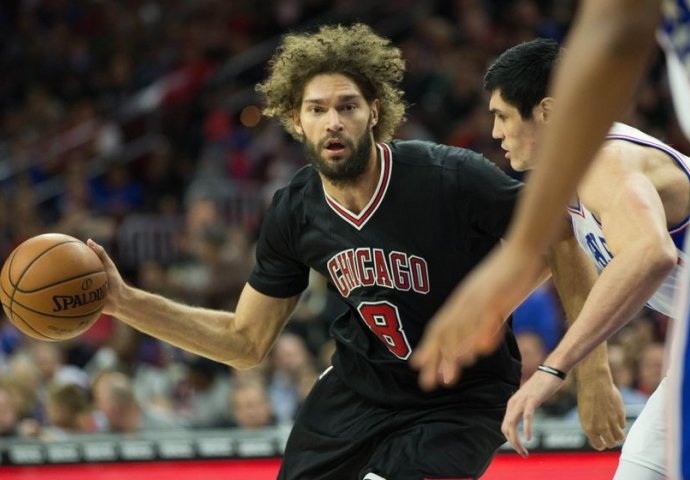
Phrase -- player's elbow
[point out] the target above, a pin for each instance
(243, 364)
(239, 346)
(254, 357)
(248, 359)
(252, 350)
(669, 260)
(248, 355)
(661, 257)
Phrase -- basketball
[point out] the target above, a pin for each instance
(53, 287)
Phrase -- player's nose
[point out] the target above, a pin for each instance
(333, 121)
(497, 132)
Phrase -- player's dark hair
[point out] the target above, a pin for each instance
(357, 52)
(522, 73)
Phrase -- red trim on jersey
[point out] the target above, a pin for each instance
(576, 209)
(358, 221)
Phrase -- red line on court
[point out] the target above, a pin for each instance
(538, 466)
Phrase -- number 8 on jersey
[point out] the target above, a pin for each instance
(384, 320)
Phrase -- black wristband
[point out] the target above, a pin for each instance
(553, 371)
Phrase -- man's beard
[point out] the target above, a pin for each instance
(346, 170)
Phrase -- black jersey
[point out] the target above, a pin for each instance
(436, 212)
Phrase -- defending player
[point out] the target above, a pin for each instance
(393, 226)
(630, 216)
(608, 52)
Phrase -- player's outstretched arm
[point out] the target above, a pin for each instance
(239, 339)
(599, 403)
(634, 223)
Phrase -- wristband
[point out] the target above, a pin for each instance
(553, 371)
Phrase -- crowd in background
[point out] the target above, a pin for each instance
(131, 120)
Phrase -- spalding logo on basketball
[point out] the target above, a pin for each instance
(53, 287)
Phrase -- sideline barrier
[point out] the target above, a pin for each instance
(559, 450)
(538, 466)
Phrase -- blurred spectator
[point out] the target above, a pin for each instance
(76, 214)
(214, 269)
(164, 180)
(126, 350)
(116, 193)
(532, 351)
(10, 339)
(68, 412)
(9, 414)
(290, 362)
(634, 338)
(120, 352)
(540, 313)
(114, 398)
(250, 405)
(201, 396)
(623, 371)
(148, 363)
(650, 368)
(24, 385)
(49, 358)
(317, 308)
(26, 219)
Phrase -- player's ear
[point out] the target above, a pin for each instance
(296, 122)
(545, 109)
(374, 114)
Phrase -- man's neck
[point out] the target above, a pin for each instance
(356, 195)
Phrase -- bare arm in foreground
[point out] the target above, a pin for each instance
(240, 339)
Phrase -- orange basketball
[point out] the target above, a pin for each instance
(53, 287)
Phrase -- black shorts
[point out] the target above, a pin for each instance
(338, 435)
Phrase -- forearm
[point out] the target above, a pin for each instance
(240, 339)
(605, 55)
(594, 366)
(574, 276)
(209, 333)
(621, 291)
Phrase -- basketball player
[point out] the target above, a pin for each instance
(630, 216)
(608, 51)
(393, 225)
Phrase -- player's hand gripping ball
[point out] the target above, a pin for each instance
(53, 287)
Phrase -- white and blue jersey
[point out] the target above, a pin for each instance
(644, 445)
(590, 236)
(674, 37)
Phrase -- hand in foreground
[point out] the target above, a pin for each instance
(521, 406)
(470, 323)
(602, 413)
(116, 284)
